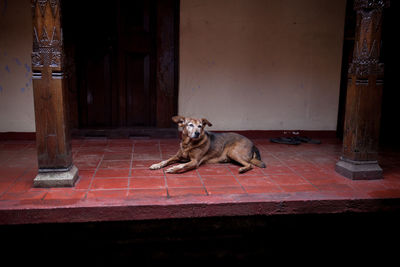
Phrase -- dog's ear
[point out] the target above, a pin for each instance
(178, 120)
(206, 122)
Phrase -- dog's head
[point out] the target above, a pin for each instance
(193, 128)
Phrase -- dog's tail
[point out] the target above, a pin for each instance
(256, 159)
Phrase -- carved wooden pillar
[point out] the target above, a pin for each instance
(364, 95)
(52, 133)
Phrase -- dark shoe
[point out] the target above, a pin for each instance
(285, 140)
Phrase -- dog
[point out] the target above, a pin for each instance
(199, 146)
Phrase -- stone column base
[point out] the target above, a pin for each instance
(57, 178)
(359, 170)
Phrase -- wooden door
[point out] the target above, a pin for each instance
(124, 56)
(136, 62)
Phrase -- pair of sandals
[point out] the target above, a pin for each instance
(296, 140)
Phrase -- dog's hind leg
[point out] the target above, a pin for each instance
(256, 159)
(242, 159)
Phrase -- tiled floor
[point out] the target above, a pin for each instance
(116, 171)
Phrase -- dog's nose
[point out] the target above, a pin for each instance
(196, 134)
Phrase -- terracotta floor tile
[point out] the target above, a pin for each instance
(272, 188)
(147, 183)
(255, 171)
(65, 193)
(225, 190)
(143, 164)
(109, 173)
(86, 173)
(184, 181)
(106, 194)
(146, 172)
(193, 172)
(117, 156)
(217, 180)
(21, 185)
(5, 185)
(186, 191)
(254, 181)
(214, 170)
(287, 179)
(115, 164)
(305, 168)
(144, 193)
(83, 183)
(29, 195)
(110, 183)
(147, 156)
(298, 188)
(277, 169)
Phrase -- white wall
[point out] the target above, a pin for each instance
(16, 95)
(244, 64)
(261, 64)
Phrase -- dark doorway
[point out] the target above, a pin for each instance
(114, 50)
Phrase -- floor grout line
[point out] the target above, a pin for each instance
(202, 182)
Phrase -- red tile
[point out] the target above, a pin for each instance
(298, 188)
(219, 181)
(147, 183)
(184, 181)
(29, 195)
(287, 179)
(143, 164)
(21, 185)
(301, 168)
(101, 173)
(112, 183)
(145, 193)
(5, 185)
(87, 165)
(277, 169)
(14, 172)
(86, 173)
(266, 189)
(187, 173)
(147, 172)
(147, 149)
(254, 181)
(217, 169)
(186, 191)
(255, 171)
(385, 193)
(336, 189)
(106, 194)
(83, 183)
(65, 193)
(115, 164)
(147, 156)
(225, 190)
(117, 156)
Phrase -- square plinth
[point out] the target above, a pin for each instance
(359, 170)
(57, 178)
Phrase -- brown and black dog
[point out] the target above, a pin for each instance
(199, 146)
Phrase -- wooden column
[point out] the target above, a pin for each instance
(52, 131)
(364, 95)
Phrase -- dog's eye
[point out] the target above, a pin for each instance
(199, 126)
(191, 125)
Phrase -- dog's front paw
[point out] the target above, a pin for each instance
(171, 170)
(155, 166)
(174, 169)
